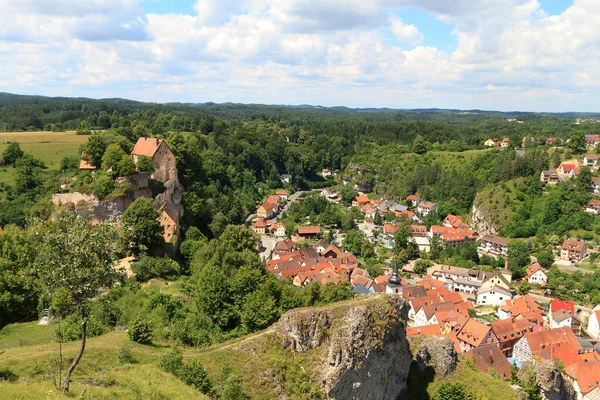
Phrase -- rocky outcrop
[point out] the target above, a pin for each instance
(106, 209)
(480, 219)
(434, 353)
(552, 384)
(363, 347)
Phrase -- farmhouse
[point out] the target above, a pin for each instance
(161, 155)
(536, 275)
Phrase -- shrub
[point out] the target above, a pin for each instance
(172, 361)
(588, 236)
(125, 355)
(154, 267)
(194, 375)
(141, 332)
(450, 391)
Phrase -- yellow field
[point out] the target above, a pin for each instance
(50, 147)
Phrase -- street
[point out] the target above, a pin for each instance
(568, 266)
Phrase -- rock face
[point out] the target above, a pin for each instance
(552, 384)
(435, 353)
(363, 349)
(480, 219)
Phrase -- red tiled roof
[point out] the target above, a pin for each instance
(426, 205)
(83, 164)
(390, 228)
(260, 223)
(573, 245)
(429, 283)
(281, 192)
(556, 305)
(430, 330)
(473, 332)
(309, 230)
(532, 269)
(539, 341)
(418, 229)
(490, 356)
(362, 199)
(567, 167)
(412, 197)
(587, 375)
(146, 146)
(286, 245)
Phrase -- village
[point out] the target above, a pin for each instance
(478, 310)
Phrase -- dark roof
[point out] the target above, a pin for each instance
(490, 356)
(360, 289)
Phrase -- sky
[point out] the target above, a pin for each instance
(528, 55)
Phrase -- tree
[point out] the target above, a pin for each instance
(12, 153)
(28, 174)
(518, 258)
(94, 149)
(421, 266)
(532, 387)
(145, 164)
(584, 179)
(524, 288)
(115, 157)
(450, 391)
(74, 259)
(545, 259)
(418, 145)
(347, 194)
(577, 141)
(353, 241)
(401, 237)
(141, 228)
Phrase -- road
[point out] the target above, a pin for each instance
(268, 244)
(568, 266)
(291, 199)
(585, 312)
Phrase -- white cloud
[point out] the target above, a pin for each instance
(406, 33)
(509, 53)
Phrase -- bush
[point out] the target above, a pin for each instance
(125, 355)
(450, 391)
(154, 267)
(141, 332)
(71, 328)
(588, 236)
(172, 361)
(194, 375)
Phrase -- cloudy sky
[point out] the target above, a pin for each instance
(538, 55)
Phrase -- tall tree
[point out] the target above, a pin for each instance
(418, 145)
(94, 149)
(75, 260)
(141, 228)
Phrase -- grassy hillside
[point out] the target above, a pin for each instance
(50, 147)
(498, 202)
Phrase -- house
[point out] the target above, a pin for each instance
(493, 295)
(267, 210)
(474, 334)
(592, 140)
(326, 172)
(453, 221)
(585, 378)
(497, 279)
(504, 142)
(573, 250)
(413, 200)
(169, 220)
(260, 226)
(524, 307)
(84, 165)
(427, 314)
(329, 193)
(285, 246)
(426, 207)
(568, 169)
(550, 177)
(493, 142)
(509, 331)
(320, 246)
(593, 207)
(591, 160)
(494, 245)
(285, 178)
(360, 201)
(162, 157)
(553, 141)
(557, 305)
(593, 326)
(534, 343)
(595, 184)
(564, 318)
(536, 275)
(308, 232)
(277, 229)
(489, 357)
(283, 195)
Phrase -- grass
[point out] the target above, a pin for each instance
(50, 147)
(497, 202)
(24, 334)
(478, 384)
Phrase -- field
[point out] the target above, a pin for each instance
(50, 147)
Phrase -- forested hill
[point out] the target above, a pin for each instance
(21, 113)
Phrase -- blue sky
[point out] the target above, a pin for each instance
(532, 55)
